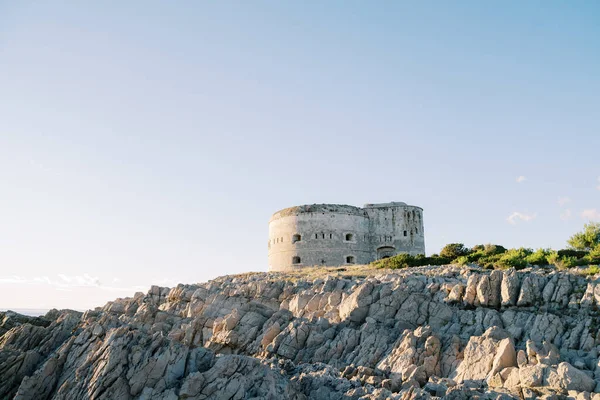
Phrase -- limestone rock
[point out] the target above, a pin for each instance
(510, 288)
(418, 333)
(567, 377)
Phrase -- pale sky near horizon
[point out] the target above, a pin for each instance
(148, 142)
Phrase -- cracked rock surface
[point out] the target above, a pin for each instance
(421, 333)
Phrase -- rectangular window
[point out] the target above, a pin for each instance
(405, 233)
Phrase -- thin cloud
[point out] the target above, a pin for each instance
(517, 216)
(13, 279)
(84, 280)
(591, 214)
(68, 282)
(563, 200)
(521, 179)
(566, 215)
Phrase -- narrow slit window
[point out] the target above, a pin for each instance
(331, 236)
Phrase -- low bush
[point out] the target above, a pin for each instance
(564, 262)
(572, 253)
(494, 249)
(539, 257)
(396, 262)
(514, 258)
(454, 250)
(585, 250)
(406, 260)
(591, 270)
(593, 257)
(587, 239)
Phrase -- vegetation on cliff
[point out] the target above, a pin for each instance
(584, 249)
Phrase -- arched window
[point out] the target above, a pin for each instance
(350, 260)
(316, 235)
(295, 260)
(349, 237)
(296, 238)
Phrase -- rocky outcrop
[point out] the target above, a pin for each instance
(428, 332)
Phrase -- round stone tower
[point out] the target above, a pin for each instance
(333, 235)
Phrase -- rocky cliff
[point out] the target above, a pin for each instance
(430, 332)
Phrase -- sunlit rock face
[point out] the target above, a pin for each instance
(428, 332)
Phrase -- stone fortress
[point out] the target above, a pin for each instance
(335, 235)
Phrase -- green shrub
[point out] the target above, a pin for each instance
(406, 260)
(584, 250)
(572, 253)
(514, 258)
(485, 256)
(396, 262)
(493, 249)
(586, 239)
(564, 262)
(591, 270)
(462, 260)
(454, 250)
(553, 258)
(474, 257)
(421, 260)
(539, 257)
(593, 257)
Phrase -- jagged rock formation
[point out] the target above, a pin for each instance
(429, 332)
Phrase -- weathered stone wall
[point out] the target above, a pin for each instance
(322, 239)
(395, 225)
(329, 234)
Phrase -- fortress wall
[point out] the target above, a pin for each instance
(311, 235)
(396, 228)
(323, 239)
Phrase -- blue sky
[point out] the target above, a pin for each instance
(149, 143)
